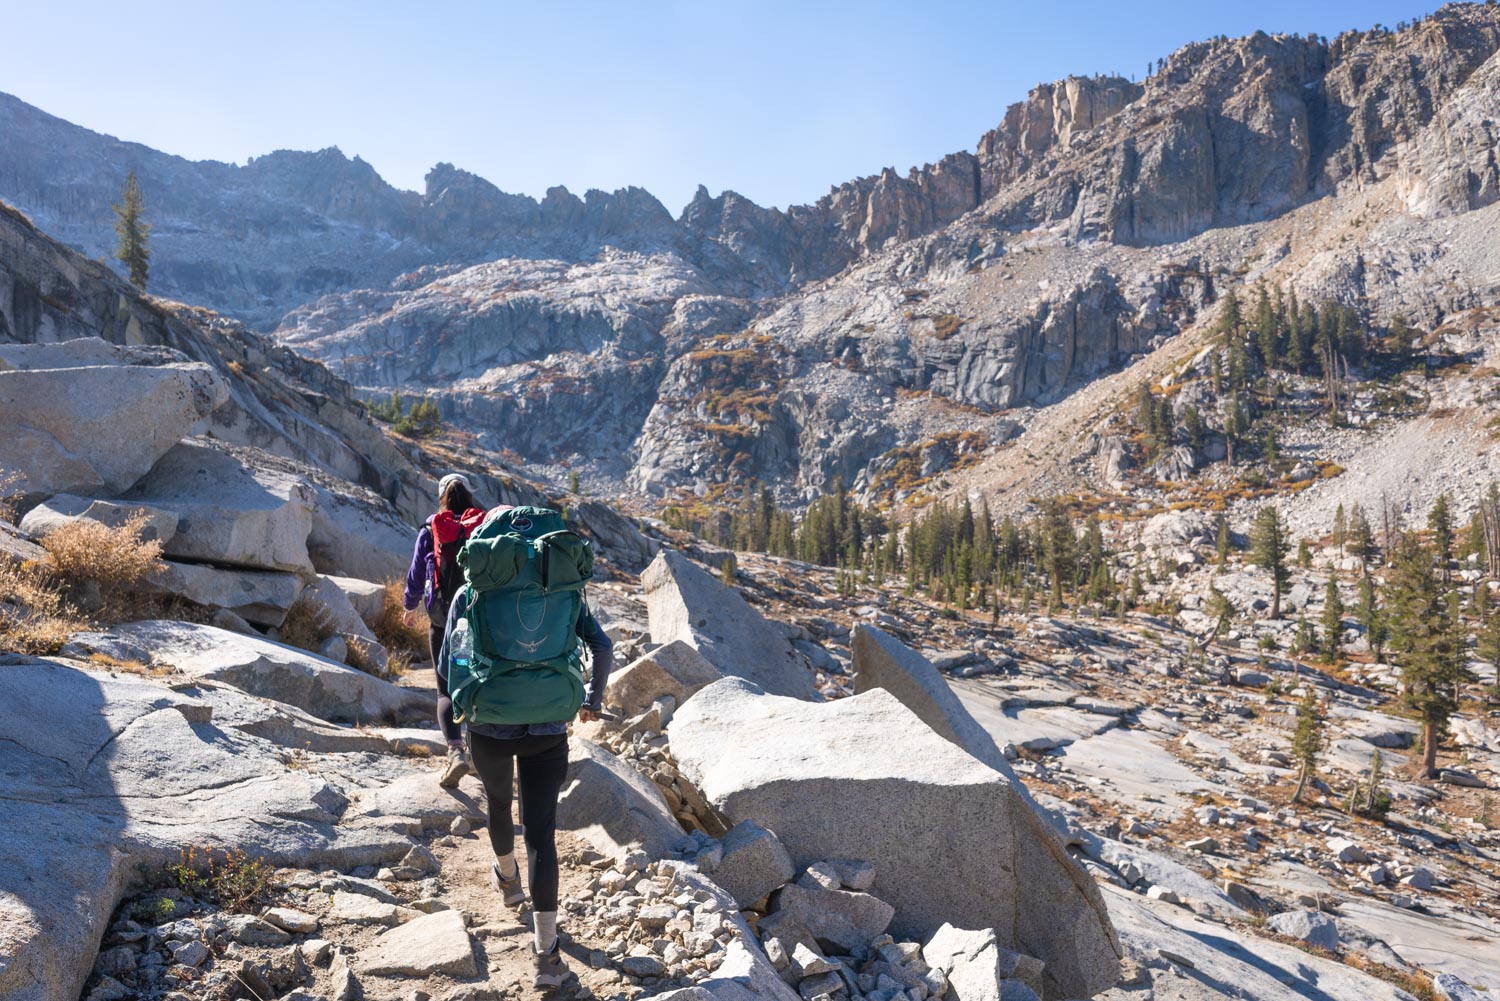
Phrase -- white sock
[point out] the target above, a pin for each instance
(507, 864)
(545, 929)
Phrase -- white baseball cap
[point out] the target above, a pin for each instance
(454, 478)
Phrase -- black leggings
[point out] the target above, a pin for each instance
(450, 729)
(541, 767)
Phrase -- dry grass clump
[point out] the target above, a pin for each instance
(412, 749)
(397, 663)
(1414, 982)
(946, 325)
(9, 496)
(35, 615)
(109, 663)
(89, 565)
(409, 642)
(116, 558)
(361, 657)
(307, 625)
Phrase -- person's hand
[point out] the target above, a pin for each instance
(409, 618)
(587, 715)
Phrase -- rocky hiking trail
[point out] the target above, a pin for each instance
(859, 848)
(380, 884)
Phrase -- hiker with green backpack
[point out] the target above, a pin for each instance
(511, 662)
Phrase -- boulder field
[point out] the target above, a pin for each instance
(849, 864)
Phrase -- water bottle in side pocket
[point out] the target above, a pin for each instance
(461, 644)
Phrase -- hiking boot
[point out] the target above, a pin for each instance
(456, 768)
(510, 889)
(551, 971)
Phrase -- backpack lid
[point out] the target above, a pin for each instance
(527, 521)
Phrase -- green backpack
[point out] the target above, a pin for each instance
(525, 573)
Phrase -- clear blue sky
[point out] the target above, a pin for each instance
(776, 100)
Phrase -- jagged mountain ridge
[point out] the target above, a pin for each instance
(1095, 222)
(256, 240)
(1112, 214)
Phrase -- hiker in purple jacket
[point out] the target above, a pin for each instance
(432, 584)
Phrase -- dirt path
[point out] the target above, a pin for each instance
(501, 936)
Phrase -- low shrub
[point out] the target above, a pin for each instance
(115, 558)
(307, 625)
(152, 910)
(35, 615)
(945, 325)
(361, 657)
(9, 496)
(232, 879)
(1414, 982)
(408, 642)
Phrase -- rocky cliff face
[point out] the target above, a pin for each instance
(1095, 221)
(258, 396)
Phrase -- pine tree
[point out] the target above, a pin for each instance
(1223, 544)
(1307, 739)
(1440, 521)
(1371, 617)
(1059, 544)
(1296, 347)
(1364, 537)
(1236, 426)
(1267, 340)
(1474, 543)
(1221, 610)
(1145, 407)
(1398, 340)
(134, 233)
(1305, 640)
(1426, 642)
(1488, 648)
(1268, 549)
(1229, 318)
(1192, 427)
(1164, 428)
(1376, 799)
(1333, 622)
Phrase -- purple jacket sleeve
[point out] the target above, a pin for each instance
(603, 657)
(420, 571)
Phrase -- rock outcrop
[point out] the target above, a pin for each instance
(260, 597)
(86, 416)
(865, 778)
(883, 662)
(613, 805)
(260, 667)
(675, 669)
(689, 606)
(82, 785)
(230, 512)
